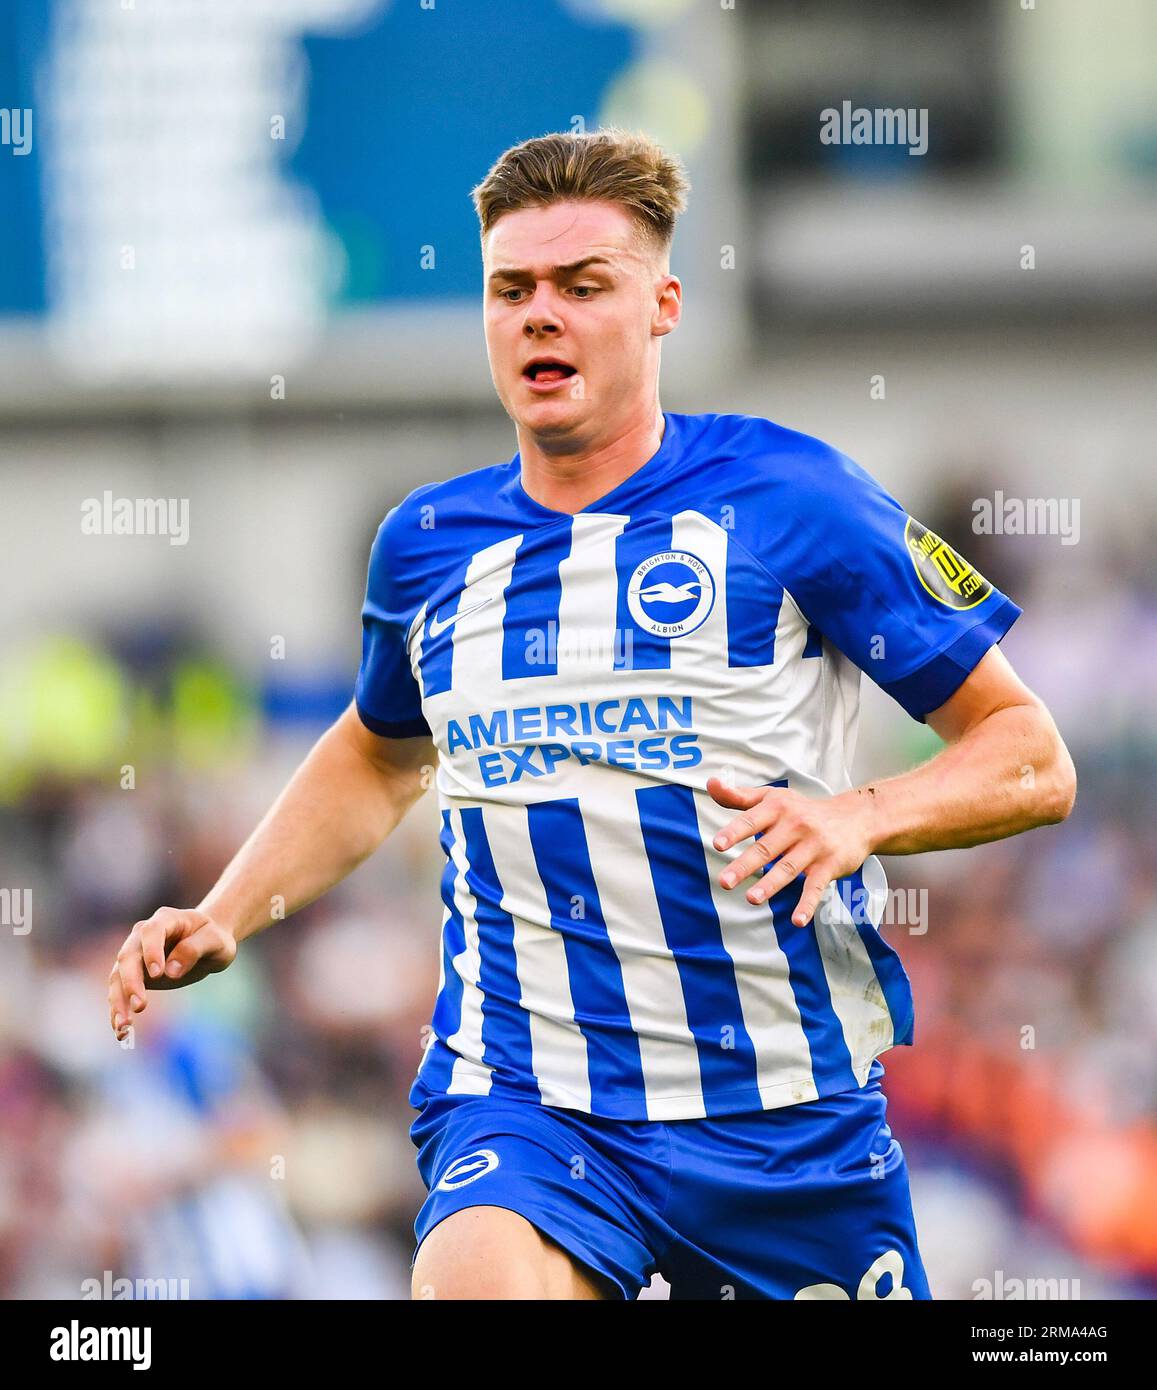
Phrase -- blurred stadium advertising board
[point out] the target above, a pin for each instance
(201, 194)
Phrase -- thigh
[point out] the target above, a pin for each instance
(808, 1202)
(526, 1202)
(491, 1253)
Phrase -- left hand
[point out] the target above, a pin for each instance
(821, 839)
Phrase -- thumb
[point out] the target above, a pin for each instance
(208, 946)
(736, 798)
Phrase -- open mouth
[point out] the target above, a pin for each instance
(547, 372)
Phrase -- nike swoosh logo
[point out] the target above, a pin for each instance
(437, 628)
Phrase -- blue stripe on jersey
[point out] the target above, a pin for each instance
(447, 1019)
(814, 646)
(885, 960)
(674, 844)
(614, 1062)
(506, 1045)
(530, 627)
(753, 604)
(437, 660)
(638, 649)
(831, 1060)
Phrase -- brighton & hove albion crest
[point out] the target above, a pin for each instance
(671, 593)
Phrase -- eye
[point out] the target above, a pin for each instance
(584, 291)
(505, 294)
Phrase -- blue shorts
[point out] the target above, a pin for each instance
(806, 1201)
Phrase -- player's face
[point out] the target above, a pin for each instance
(574, 284)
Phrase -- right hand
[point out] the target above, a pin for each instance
(173, 948)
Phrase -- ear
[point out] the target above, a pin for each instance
(668, 306)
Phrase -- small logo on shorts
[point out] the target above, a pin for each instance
(468, 1169)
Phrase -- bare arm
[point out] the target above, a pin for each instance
(349, 793)
(341, 803)
(1004, 771)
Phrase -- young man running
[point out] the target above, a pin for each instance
(634, 654)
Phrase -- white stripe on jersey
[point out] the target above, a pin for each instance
(651, 982)
(487, 577)
(857, 998)
(589, 594)
(709, 544)
(770, 1013)
(559, 1050)
(471, 1075)
(431, 1037)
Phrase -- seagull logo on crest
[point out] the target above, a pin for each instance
(670, 593)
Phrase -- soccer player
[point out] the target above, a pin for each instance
(633, 653)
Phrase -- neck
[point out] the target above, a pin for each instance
(571, 478)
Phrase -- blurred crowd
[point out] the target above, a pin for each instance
(252, 1140)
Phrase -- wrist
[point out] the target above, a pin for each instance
(869, 805)
(217, 913)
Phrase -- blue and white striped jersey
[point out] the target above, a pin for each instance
(582, 676)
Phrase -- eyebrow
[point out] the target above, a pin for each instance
(556, 271)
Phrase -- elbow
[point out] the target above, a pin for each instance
(1061, 791)
(1054, 778)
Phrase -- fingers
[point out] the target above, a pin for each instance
(132, 975)
(161, 937)
(152, 935)
(144, 950)
(769, 845)
(785, 838)
(793, 858)
(814, 888)
(117, 1004)
(791, 861)
(195, 946)
(760, 807)
(126, 992)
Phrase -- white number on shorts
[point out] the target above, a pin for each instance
(890, 1262)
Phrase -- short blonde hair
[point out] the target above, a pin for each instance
(607, 165)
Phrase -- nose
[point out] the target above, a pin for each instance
(542, 314)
